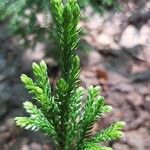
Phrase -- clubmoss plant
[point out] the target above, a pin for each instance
(69, 112)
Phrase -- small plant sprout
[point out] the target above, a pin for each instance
(68, 113)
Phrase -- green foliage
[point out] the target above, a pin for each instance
(96, 147)
(101, 5)
(7, 7)
(36, 121)
(69, 112)
(24, 19)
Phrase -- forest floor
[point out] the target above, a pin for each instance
(118, 60)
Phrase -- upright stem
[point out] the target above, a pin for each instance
(66, 17)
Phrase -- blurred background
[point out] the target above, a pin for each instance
(115, 54)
